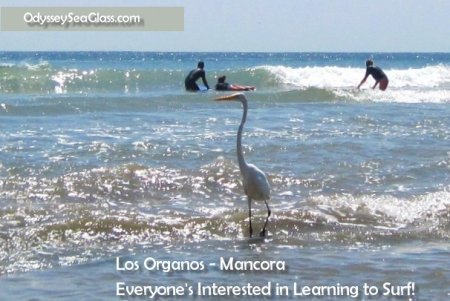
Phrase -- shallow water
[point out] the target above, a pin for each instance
(112, 165)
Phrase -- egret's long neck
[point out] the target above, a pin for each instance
(240, 153)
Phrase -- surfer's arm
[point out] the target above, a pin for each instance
(363, 80)
(365, 77)
(204, 81)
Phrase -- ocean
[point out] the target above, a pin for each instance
(117, 184)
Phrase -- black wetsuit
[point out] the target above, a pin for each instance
(193, 76)
(222, 86)
(376, 72)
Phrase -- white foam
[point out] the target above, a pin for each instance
(387, 209)
(428, 84)
(396, 95)
(344, 77)
(317, 77)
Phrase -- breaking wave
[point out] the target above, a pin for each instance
(427, 84)
(311, 83)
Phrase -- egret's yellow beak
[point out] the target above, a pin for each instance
(229, 97)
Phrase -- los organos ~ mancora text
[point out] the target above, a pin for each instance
(225, 264)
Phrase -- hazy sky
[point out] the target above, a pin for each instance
(262, 25)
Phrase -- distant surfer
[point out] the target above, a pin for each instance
(224, 86)
(378, 74)
(191, 80)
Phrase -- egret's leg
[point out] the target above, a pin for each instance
(250, 215)
(263, 232)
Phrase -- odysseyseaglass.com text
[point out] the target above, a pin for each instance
(72, 19)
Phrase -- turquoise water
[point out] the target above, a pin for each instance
(105, 156)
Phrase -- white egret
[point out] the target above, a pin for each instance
(255, 183)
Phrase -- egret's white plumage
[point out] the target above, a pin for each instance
(254, 180)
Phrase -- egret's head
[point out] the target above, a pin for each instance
(236, 96)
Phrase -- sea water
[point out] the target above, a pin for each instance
(116, 184)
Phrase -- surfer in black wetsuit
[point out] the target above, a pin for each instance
(193, 76)
(224, 86)
(378, 74)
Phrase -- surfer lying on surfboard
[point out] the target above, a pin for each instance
(224, 86)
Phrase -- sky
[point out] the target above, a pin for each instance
(260, 26)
